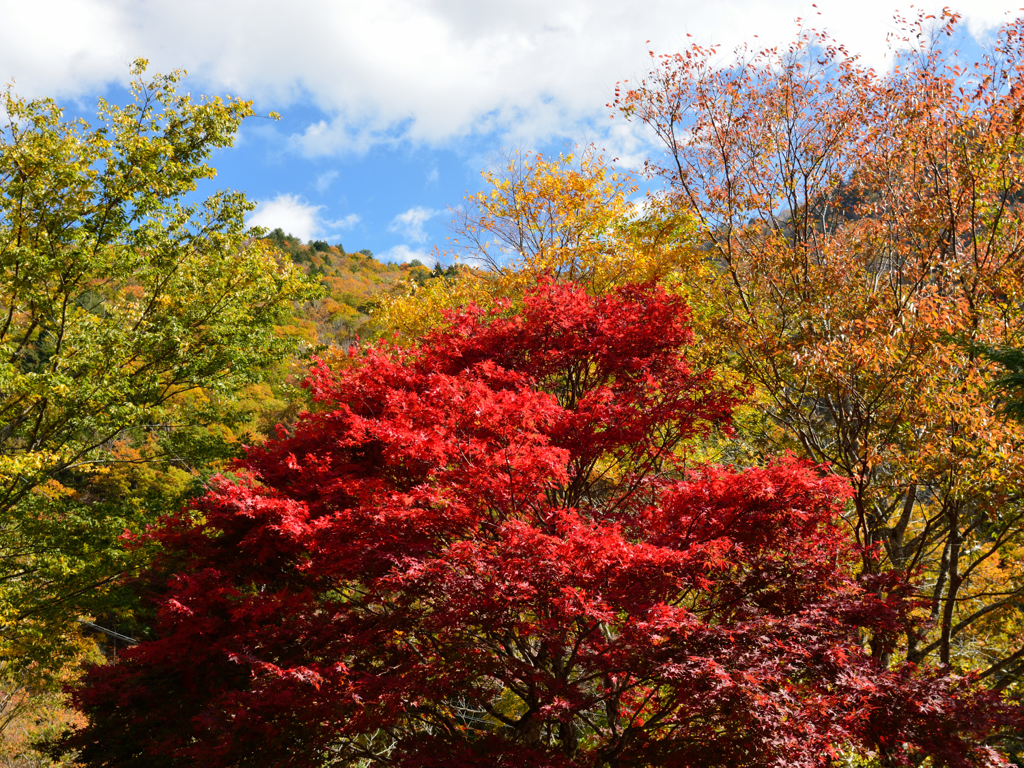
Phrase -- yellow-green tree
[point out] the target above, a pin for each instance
(121, 299)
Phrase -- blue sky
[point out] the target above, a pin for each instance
(390, 108)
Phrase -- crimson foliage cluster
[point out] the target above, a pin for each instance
(488, 551)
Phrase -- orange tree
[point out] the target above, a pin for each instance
(865, 233)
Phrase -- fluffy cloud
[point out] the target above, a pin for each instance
(65, 47)
(426, 71)
(324, 181)
(346, 222)
(297, 217)
(289, 213)
(410, 224)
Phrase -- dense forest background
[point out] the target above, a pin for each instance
(352, 282)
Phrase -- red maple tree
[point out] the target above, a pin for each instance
(488, 551)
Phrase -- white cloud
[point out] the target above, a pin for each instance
(403, 254)
(64, 47)
(297, 217)
(324, 181)
(346, 222)
(411, 223)
(419, 70)
(338, 137)
(289, 213)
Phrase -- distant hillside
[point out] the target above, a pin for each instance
(351, 281)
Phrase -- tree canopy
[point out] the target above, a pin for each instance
(126, 305)
(865, 233)
(488, 549)
(505, 537)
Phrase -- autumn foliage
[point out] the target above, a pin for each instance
(488, 550)
(865, 232)
(572, 217)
